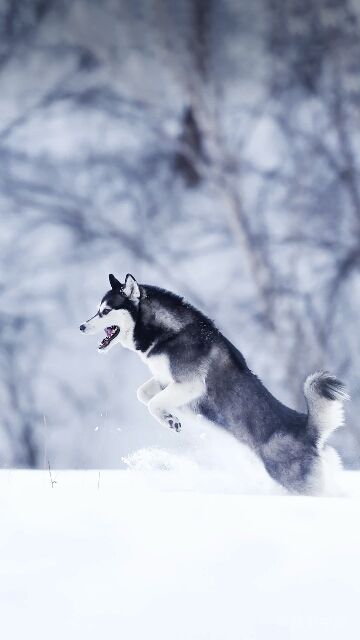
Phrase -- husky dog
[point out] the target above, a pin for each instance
(195, 367)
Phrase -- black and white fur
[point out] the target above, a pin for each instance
(195, 367)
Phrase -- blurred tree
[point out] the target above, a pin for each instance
(212, 148)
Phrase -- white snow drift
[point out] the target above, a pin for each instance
(171, 550)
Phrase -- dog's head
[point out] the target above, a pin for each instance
(116, 314)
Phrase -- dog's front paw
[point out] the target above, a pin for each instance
(173, 421)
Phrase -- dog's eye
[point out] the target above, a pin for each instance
(105, 312)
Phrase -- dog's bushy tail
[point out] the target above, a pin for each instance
(325, 395)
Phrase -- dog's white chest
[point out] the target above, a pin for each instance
(159, 367)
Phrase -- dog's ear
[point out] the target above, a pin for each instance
(131, 288)
(114, 283)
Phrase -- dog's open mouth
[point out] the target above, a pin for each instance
(111, 333)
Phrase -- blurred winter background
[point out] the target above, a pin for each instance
(212, 148)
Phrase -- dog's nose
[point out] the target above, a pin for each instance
(82, 327)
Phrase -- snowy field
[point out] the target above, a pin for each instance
(171, 550)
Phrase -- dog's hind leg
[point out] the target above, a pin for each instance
(291, 462)
(176, 394)
(148, 390)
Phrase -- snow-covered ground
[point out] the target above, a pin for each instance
(169, 549)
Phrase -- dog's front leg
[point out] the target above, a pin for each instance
(148, 390)
(173, 396)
